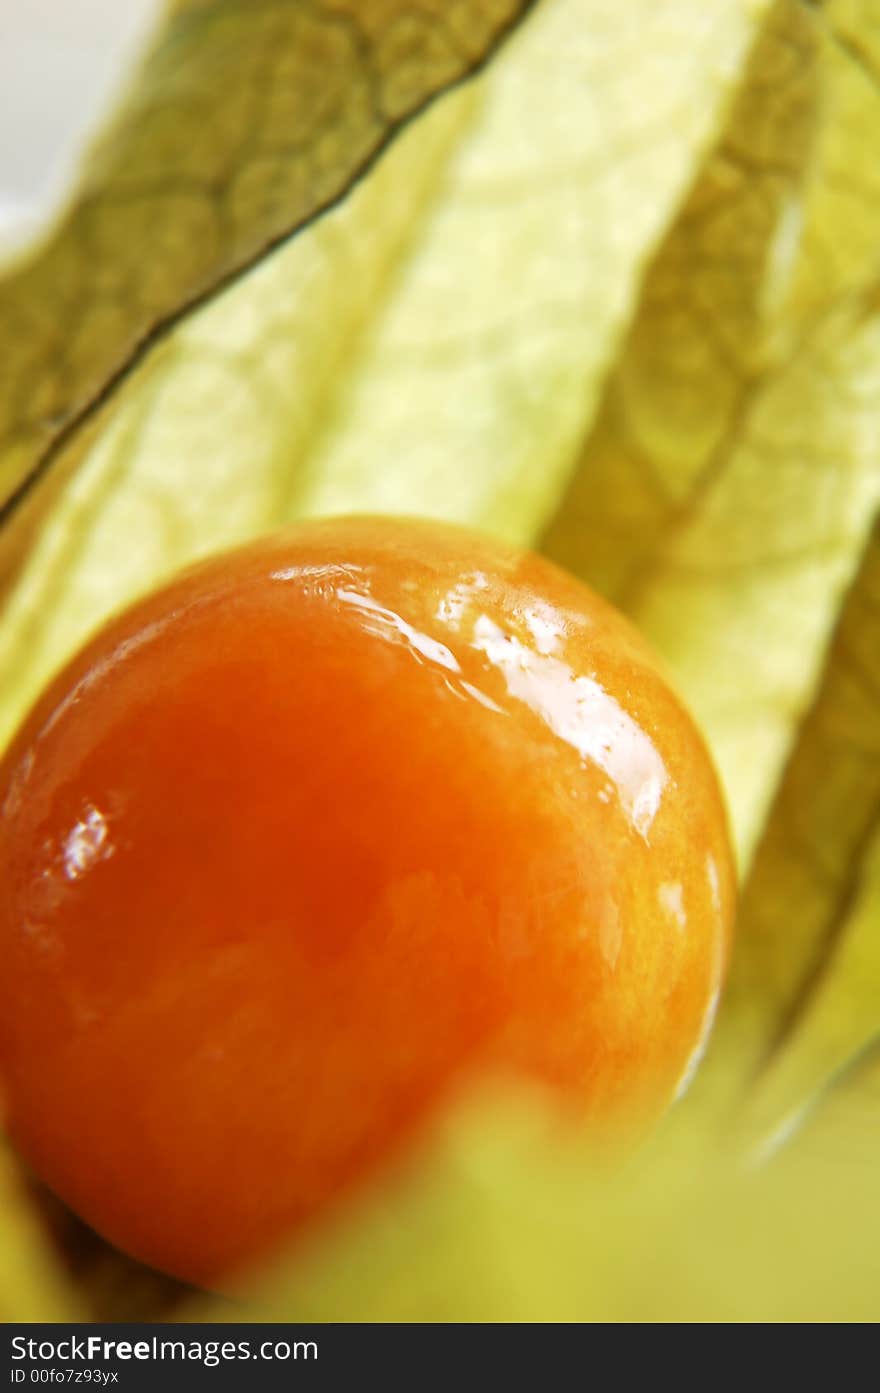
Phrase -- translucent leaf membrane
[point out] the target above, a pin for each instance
(506, 1219)
(835, 1022)
(477, 376)
(847, 1108)
(432, 346)
(247, 118)
(804, 993)
(841, 222)
(32, 1287)
(724, 493)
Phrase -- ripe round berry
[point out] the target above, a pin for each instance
(322, 829)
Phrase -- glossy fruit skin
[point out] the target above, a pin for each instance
(304, 840)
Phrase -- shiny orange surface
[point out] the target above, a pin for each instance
(326, 826)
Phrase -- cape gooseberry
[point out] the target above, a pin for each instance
(314, 834)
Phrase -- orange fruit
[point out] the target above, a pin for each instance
(319, 831)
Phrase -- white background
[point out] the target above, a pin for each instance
(61, 64)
